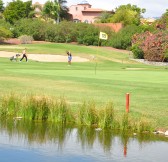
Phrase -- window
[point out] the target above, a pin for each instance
(76, 8)
(86, 21)
(76, 20)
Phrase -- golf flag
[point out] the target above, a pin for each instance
(103, 36)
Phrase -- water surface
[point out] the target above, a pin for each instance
(27, 141)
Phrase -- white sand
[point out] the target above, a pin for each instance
(45, 57)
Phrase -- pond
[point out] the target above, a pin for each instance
(36, 141)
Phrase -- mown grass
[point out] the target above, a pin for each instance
(79, 82)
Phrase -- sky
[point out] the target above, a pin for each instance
(154, 8)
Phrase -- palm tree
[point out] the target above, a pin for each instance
(47, 10)
(59, 7)
(54, 9)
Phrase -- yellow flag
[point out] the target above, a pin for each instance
(103, 36)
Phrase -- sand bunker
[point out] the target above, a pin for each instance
(46, 57)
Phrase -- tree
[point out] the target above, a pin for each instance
(1, 6)
(104, 17)
(28, 8)
(63, 9)
(1, 9)
(16, 10)
(55, 9)
(162, 23)
(127, 14)
(47, 10)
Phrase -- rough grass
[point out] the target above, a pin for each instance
(44, 108)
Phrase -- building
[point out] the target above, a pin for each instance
(148, 21)
(83, 12)
(38, 8)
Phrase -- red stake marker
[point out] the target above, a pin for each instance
(127, 102)
(125, 151)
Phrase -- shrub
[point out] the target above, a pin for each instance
(122, 39)
(69, 29)
(25, 39)
(34, 27)
(137, 52)
(154, 45)
(87, 34)
(5, 24)
(166, 55)
(5, 33)
(51, 33)
(62, 32)
(37, 29)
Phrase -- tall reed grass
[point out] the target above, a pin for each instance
(44, 108)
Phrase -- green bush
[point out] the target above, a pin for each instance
(5, 29)
(122, 39)
(5, 33)
(137, 52)
(69, 29)
(166, 55)
(33, 27)
(87, 34)
(63, 32)
(5, 24)
(51, 33)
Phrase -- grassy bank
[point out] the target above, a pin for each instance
(106, 79)
(58, 110)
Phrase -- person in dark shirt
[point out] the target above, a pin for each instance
(24, 55)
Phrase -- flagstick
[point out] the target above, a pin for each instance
(97, 53)
(101, 36)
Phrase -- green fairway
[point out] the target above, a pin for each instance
(106, 78)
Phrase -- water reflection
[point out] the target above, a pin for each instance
(56, 139)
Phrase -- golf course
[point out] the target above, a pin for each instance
(106, 76)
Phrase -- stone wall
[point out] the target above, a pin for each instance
(114, 26)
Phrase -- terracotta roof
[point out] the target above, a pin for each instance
(38, 4)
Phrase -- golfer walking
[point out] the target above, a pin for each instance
(24, 55)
